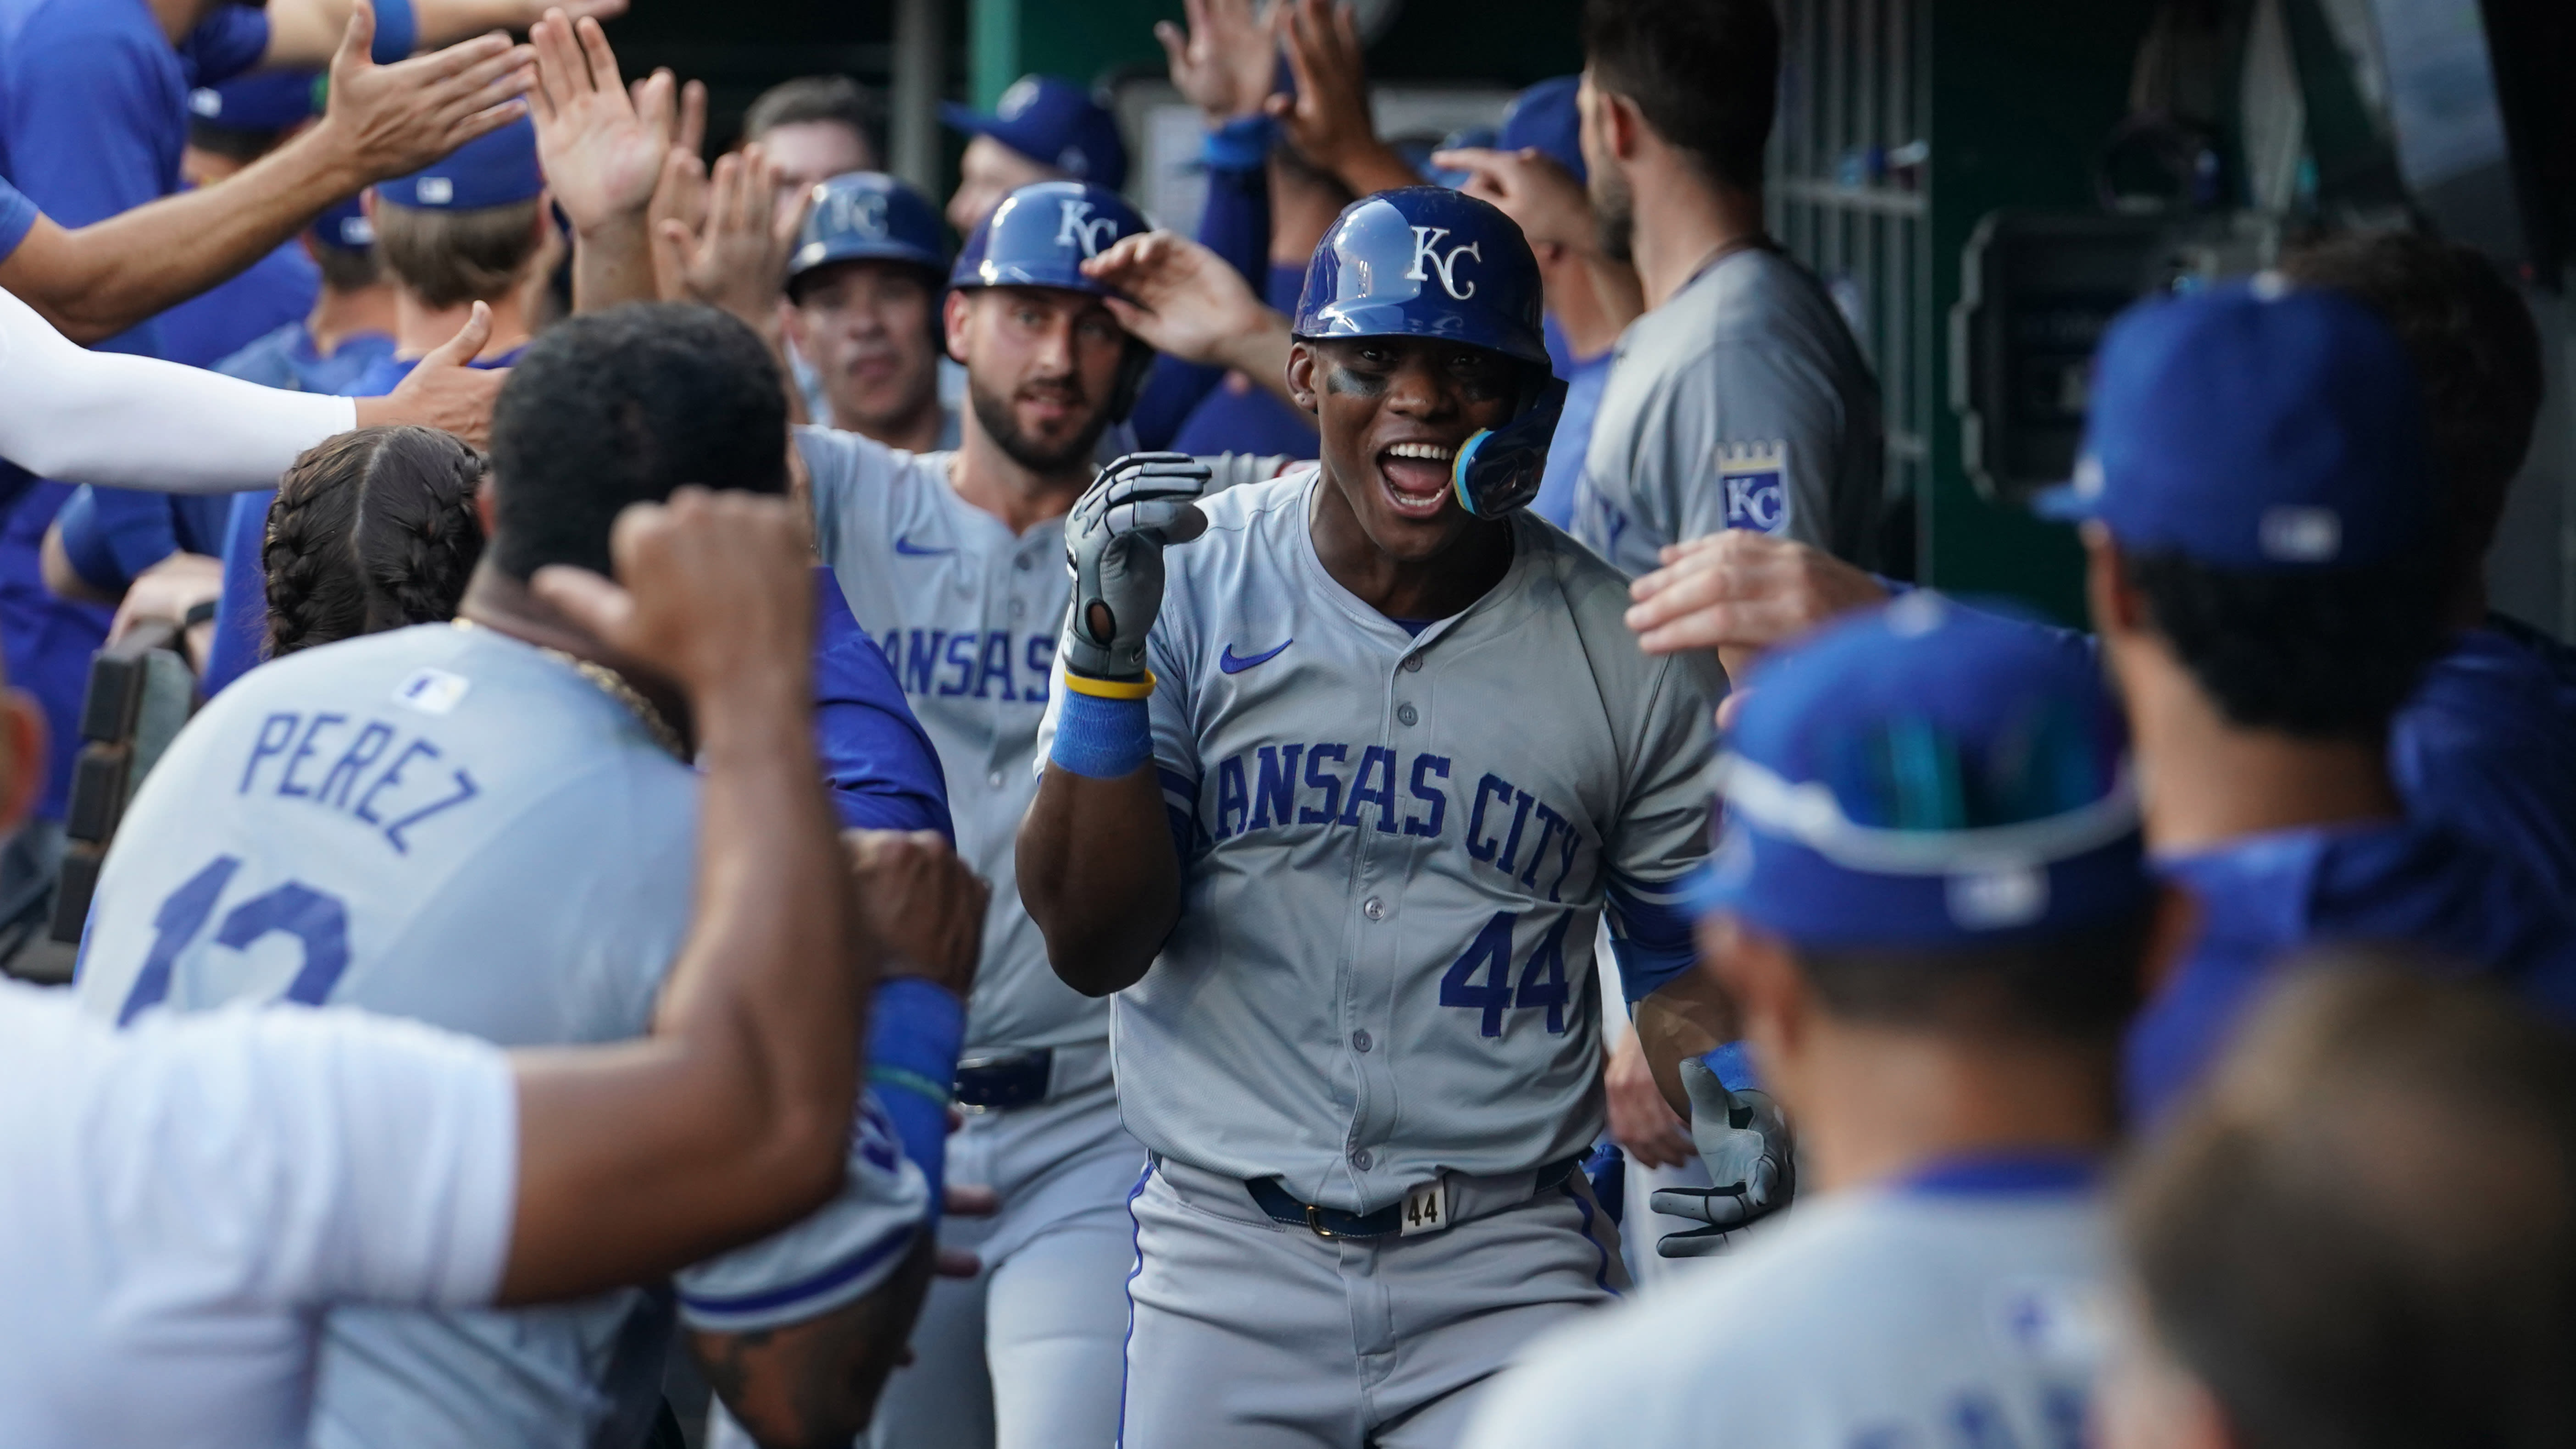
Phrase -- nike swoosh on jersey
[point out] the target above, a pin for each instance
(909, 549)
(1233, 663)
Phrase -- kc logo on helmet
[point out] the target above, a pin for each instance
(1080, 228)
(1426, 251)
(864, 213)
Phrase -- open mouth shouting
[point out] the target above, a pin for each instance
(1416, 477)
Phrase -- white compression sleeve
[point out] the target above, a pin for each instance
(135, 422)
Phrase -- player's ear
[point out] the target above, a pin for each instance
(22, 758)
(1301, 376)
(952, 321)
(2116, 604)
(485, 505)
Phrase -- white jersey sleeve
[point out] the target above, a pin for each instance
(837, 1256)
(137, 422)
(376, 1157)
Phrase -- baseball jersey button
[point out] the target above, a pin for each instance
(1018, 607)
(1413, 663)
(1360, 1158)
(994, 779)
(1021, 563)
(1406, 714)
(1360, 1041)
(1373, 908)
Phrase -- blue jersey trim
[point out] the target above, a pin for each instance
(2005, 1173)
(838, 1275)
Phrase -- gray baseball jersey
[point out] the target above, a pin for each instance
(968, 614)
(447, 824)
(1397, 847)
(1875, 1317)
(1742, 402)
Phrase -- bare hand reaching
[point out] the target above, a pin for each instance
(1740, 592)
(395, 119)
(1225, 62)
(1541, 197)
(921, 904)
(442, 392)
(1328, 119)
(738, 260)
(601, 145)
(1184, 299)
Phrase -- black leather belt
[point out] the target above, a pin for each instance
(998, 1084)
(1283, 1207)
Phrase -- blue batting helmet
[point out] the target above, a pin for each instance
(1425, 261)
(867, 216)
(1042, 234)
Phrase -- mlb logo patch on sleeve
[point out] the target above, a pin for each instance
(1755, 477)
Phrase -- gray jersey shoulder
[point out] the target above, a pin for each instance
(1869, 1317)
(1397, 849)
(1742, 402)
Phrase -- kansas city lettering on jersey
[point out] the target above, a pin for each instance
(983, 663)
(371, 771)
(1369, 787)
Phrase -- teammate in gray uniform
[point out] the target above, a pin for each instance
(485, 826)
(1335, 812)
(954, 563)
(1934, 911)
(863, 289)
(1739, 400)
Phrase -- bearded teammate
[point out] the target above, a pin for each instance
(1337, 827)
(490, 826)
(953, 560)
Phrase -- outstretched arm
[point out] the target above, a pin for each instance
(301, 32)
(383, 120)
(733, 1117)
(1188, 303)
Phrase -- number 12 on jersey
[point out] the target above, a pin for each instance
(317, 920)
(1542, 980)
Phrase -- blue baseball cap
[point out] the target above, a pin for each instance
(864, 216)
(1054, 123)
(2255, 426)
(1041, 235)
(266, 101)
(494, 169)
(1545, 116)
(1927, 776)
(344, 227)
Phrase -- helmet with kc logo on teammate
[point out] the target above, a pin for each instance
(867, 216)
(1042, 234)
(1425, 261)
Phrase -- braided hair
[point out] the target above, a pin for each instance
(371, 530)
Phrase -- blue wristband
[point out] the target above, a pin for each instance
(1733, 1064)
(397, 32)
(1104, 739)
(1242, 144)
(914, 1032)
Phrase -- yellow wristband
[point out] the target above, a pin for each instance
(1110, 688)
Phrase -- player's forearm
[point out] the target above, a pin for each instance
(612, 264)
(1687, 1018)
(817, 1382)
(105, 277)
(733, 1118)
(1098, 875)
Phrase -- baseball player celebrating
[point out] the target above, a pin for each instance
(1934, 913)
(953, 561)
(863, 289)
(1335, 809)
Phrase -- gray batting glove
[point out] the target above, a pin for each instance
(1113, 542)
(1746, 1143)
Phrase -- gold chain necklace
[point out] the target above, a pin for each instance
(609, 682)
